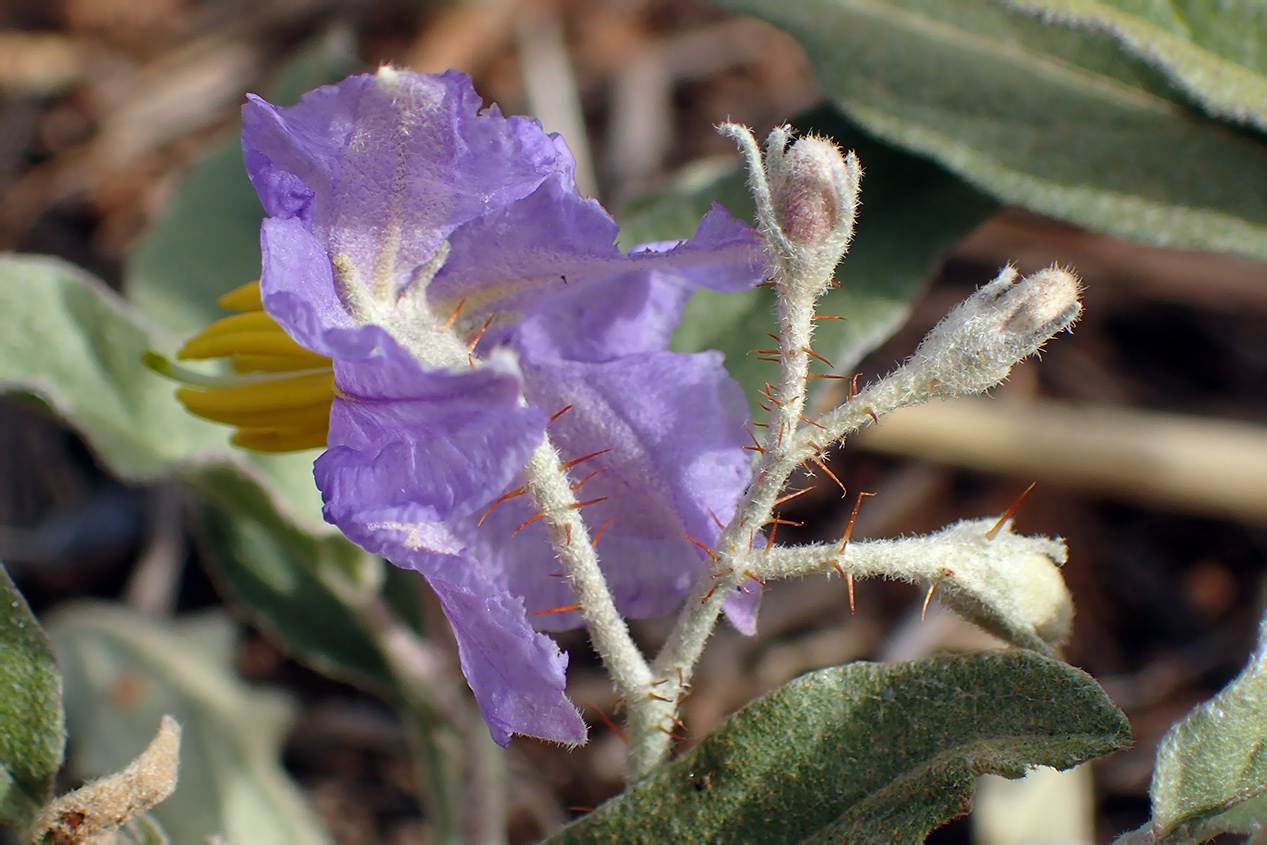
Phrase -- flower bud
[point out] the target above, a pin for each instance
(974, 346)
(814, 193)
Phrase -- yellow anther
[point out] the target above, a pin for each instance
(282, 394)
(245, 298)
(281, 398)
(282, 439)
(220, 345)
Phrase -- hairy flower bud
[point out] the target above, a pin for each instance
(814, 194)
(975, 346)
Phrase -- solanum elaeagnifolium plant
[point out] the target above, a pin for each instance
(442, 308)
(488, 381)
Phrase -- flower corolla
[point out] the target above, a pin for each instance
(471, 301)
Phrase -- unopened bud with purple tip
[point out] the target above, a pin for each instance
(814, 192)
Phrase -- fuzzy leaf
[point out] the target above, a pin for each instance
(866, 753)
(911, 212)
(70, 341)
(1211, 772)
(1212, 51)
(1058, 120)
(32, 734)
(123, 672)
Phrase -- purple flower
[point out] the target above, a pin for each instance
(402, 221)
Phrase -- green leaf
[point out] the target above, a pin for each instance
(866, 753)
(911, 212)
(70, 341)
(32, 735)
(123, 672)
(1211, 772)
(207, 241)
(1058, 120)
(1212, 51)
(281, 578)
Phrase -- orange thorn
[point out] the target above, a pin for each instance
(576, 506)
(609, 723)
(853, 387)
(453, 317)
(924, 610)
(512, 494)
(526, 524)
(580, 809)
(874, 418)
(853, 516)
(810, 422)
(764, 285)
(752, 577)
(702, 547)
(558, 575)
(564, 609)
(831, 475)
(849, 581)
(560, 413)
(709, 596)
(811, 353)
(780, 521)
(567, 535)
(770, 540)
(576, 461)
(774, 337)
(714, 516)
(829, 317)
(577, 485)
(594, 542)
(994, 532)
(470, 347)
(792, 496)
(723, 573)
(824, 375)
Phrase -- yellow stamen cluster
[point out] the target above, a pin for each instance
(281, 396)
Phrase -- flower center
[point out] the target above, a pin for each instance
(280, 394)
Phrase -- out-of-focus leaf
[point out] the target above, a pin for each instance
(866, 753)
(1213, 51)
(280, 577)
(32, 735)
(123, 672)
(1211, 772)
(1045, 807)
(207, 242)
(70, 341)
(911, 212)
(1059, 120)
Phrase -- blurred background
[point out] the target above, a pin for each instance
(1143, 429)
